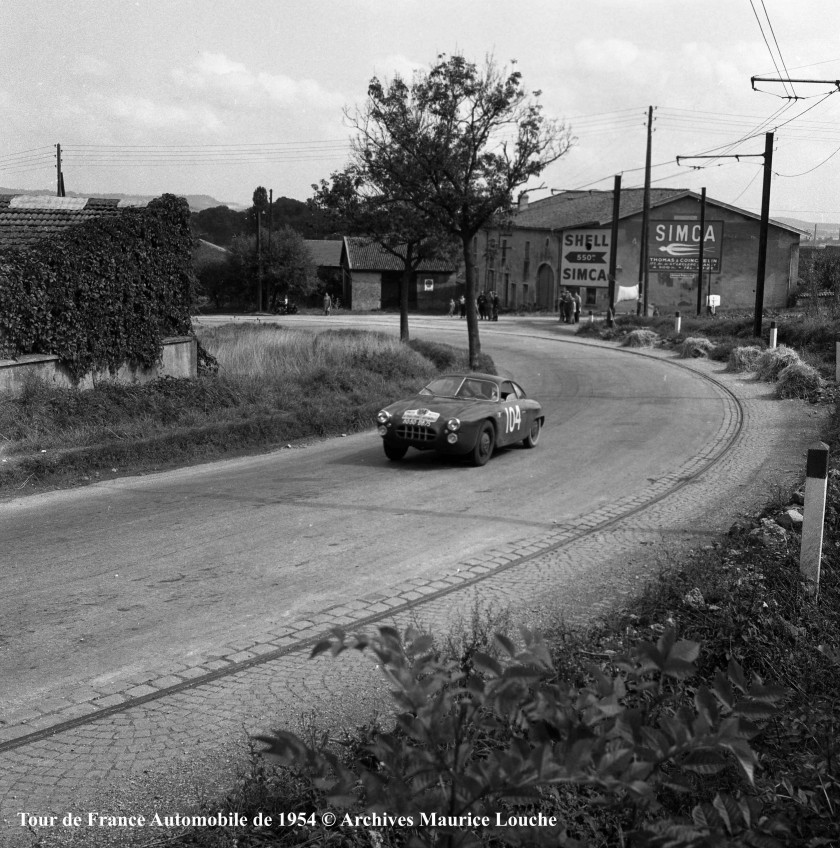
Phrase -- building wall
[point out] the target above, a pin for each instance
(367, 290)
(437, 299)
(510, 262)
(737, 278)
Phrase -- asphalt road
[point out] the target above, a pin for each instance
(120, 576)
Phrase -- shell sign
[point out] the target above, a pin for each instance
(675, 246)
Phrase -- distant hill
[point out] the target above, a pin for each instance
(197, 202)
(824, 231)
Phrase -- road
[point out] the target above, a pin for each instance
(136, 573)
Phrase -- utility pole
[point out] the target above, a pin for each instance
(258, 215)
(702, 246)
(765, 219)
(59, 175)
(270, 221)
(643, 253)
(762, 234)
(614, 242)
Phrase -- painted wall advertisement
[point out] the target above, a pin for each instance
(675, 246)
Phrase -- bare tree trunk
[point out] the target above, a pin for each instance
(405, 282)
(472, 317)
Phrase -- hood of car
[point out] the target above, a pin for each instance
(430, 406)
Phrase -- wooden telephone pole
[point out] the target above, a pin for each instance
(59, 174)
(643, 252)
(761, 266)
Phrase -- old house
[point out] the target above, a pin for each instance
(372, 279)
(563, 242)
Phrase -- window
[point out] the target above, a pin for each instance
(526, 266)
(591, 296)
(504, 251)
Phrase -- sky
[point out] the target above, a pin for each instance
(218, 97)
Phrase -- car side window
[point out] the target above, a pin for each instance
(508, 391)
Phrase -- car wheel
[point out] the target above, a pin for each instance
(530, 441)
(393, 451)
(484, 445)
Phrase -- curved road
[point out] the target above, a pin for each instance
(140, 573)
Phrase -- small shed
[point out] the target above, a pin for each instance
(373, 275)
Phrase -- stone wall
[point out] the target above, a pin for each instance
(179, 359)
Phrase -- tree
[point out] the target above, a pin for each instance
(287, 268)
(290, 270)
(454, 145)
(399, 228)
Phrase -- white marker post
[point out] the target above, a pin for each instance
(677, 323)
(774, 334)
(816, 485)
(837, 358)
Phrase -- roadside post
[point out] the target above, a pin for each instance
(591, 317)
(837, 358)
(816, 485)
(677, 323)
(774, 334)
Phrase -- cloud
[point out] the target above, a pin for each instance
(145, 113)
(232, 84)
(89, 66)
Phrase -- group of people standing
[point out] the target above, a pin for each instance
(486, 305)
(570, 304)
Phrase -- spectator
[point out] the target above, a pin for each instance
(327, 303)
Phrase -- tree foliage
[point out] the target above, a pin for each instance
(505, 734)
(287, 270)
(397, 227)
(454, 145)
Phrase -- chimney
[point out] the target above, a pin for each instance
(522, 201)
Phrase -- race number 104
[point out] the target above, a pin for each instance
(513, 418)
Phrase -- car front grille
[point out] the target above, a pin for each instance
(413, 433)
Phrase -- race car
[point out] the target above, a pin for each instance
(469, 414)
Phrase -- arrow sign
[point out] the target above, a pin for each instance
(583, 256)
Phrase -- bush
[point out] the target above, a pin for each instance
(695, 347)
(500, 739)
(798, 381)
(640, 338)
(744, 358)
(773, 361)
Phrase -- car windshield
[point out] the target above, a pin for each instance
(462, 387)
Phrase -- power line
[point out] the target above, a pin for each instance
(769, 49)
(778, 49)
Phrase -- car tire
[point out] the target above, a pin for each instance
(530, 441)
(484, 445)
(394, 452)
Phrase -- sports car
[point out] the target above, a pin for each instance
(469, 414)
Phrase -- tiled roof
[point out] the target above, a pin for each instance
(581, 208)
(27, 219)
(326, 253)
(576, 208)
(367, 255)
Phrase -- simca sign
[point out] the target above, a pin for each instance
(675, 246)
(585, 257)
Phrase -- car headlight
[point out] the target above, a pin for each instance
(453, 424)
(383, 416)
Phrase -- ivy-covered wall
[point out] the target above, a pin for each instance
(102, 293)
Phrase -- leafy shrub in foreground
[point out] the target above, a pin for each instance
(473, 748)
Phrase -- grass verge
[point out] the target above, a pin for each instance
(273, 386)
